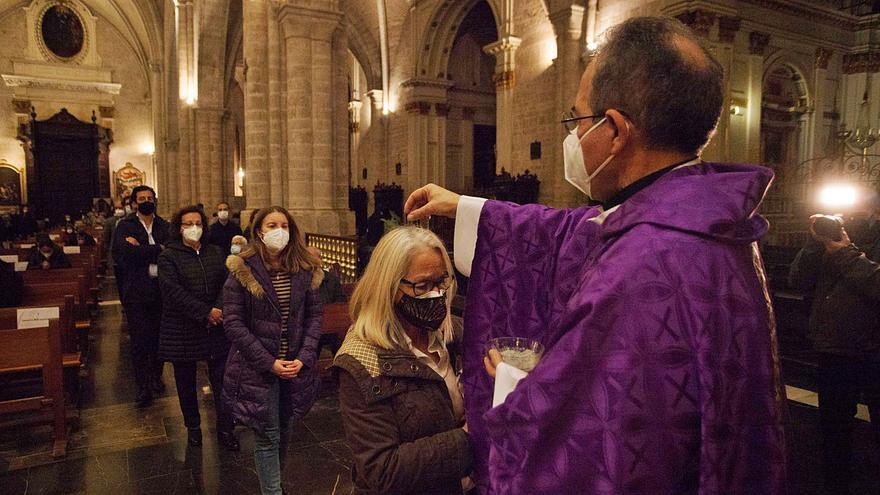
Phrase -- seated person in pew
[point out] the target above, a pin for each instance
(80, 237)
(47, 255)
(12, 284)
(331, 288)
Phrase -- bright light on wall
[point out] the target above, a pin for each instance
(838, 195)
(148, 148)
(240, 177)
(592, 46)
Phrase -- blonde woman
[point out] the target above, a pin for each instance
(272, 317)
(398, 389)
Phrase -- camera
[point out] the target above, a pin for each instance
(828, 226)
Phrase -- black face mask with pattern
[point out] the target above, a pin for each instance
(426, 313)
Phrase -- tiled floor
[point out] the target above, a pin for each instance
(117, 449)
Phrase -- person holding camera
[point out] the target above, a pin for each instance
(844, 280)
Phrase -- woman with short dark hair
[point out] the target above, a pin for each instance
(191, 276)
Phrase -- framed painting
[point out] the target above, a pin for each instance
(127, 178)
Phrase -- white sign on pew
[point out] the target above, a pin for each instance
(25, 246)
(21, 266)
(35, 317)
(9, 258)
(55, 237)
(71, 250)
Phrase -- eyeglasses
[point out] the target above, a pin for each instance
(422, 288)
(571, 121)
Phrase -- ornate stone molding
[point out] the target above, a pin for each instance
(420, 107)
(822, 57)
(504, 80)
(21, 106)
(700, 21)
(14, 81)
(107, 112)
(856, 63)
(758, 42)
(727, 28)
(442, 109)
(813, 13)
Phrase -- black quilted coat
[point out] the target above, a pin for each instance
(191, 284)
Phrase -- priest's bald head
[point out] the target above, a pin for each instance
(650, 97)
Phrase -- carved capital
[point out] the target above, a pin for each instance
(758, 42)
(727, 28)
(420, 107)
(21, 106)
(504, 80)
(700, 21)
(442, 109)
(822, 57)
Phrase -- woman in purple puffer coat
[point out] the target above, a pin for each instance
(273, 319)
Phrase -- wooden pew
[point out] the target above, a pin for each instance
(38, 292)
(90, 292)
(37, 349)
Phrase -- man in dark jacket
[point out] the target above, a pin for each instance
(845, 283)
(137, 242)
(223, 230)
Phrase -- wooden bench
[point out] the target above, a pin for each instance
(39, 293)
(37, 349)
(89, 291)
(72, 353)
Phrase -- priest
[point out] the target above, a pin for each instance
(661, 371)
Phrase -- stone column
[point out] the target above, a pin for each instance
(505, 80)
(256, 118)
(820, 90)
(311, 165)
(758, 42)
(209, 176)
(571, 46)
(276, 111)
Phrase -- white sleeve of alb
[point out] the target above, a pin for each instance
(467, 221)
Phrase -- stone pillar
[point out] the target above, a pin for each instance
(505, 80)
(821, 95)
(311, 164)
(256, 118)
(277, 106)
(757, 47)
(160, 164)
(208, 173)
(568, 25)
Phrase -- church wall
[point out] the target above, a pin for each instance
(131, 118)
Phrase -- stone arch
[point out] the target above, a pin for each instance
(440, 35)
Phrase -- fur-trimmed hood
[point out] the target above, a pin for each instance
(239, 268)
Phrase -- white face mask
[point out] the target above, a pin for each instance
(119, 212)
(235, 249)
(223, 215)
(128, 209)
(276, 239)
(193, 233)
(575, 171)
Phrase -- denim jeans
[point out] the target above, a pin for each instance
(270, 446)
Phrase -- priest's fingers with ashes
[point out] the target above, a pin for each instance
(430, 200)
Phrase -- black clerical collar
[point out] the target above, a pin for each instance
(630, 190)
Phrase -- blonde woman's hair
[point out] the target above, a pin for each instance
(372, 304)
(294, 257)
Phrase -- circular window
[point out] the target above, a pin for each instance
(62, 31)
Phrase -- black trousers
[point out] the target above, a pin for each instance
(187, 392)
(843, 382)
(143, 327)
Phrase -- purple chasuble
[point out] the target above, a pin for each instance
(661, 374)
